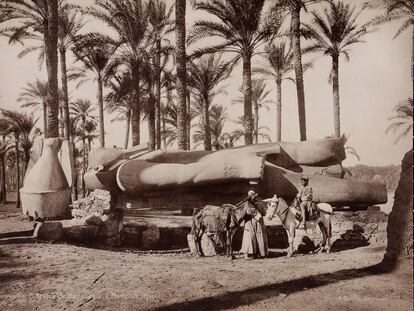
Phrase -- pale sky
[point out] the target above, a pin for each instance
(377, 77)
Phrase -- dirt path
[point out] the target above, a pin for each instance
(67, 277)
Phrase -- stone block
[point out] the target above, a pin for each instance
(208, 247)
(48, 231)
(81, 234)
(93, 220)
(150, 237)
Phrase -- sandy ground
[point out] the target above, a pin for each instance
(67, 277)
(49, 276)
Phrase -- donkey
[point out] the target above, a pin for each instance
(288, 216)
(211, 218)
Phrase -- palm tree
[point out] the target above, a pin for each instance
(240, 31)
(95, 57)
(159, 18)
(51, 38)
(397, 10)
(76, 134)
(3, 150)
(23, 128)
(119, 100)
(82, 110)
(128, 19)
(24, 19)
(333, 34)
(170, 128)
(70, 24)
(148, 71)
(279, 65)
(181, 68)
(294, 7)
(168, 83)
(35, 96)
(238, 133)
(169, 131)
(402, 120)
(204, 77)
(218, 117)
(259, 100)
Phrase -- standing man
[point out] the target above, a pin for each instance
(305, 195)
(254, 244)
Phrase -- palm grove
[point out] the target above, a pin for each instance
(141, 67)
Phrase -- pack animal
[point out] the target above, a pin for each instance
(291, 221)
(215, 219)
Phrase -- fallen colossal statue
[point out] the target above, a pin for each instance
(188, 179)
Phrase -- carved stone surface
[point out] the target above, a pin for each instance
(198, 178)
(46, 192)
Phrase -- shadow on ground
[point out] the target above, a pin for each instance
(251, 295)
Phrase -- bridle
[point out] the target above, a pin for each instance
(280, 214)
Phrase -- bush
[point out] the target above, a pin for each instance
(390, 173)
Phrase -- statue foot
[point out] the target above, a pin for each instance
(290, 254)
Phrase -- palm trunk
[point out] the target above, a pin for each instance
(151, 122)
(247, 90)
(64, 77)
(279, 110)
(75, 183)
(128, 123)
(164, 140)
(61, 120)
(188, 120)
(412, 56)
(181, 68)
(101, 113)
(50, 39)
(84, 166)
(206, 124)
(17, 138)
(158, 95)
(84, 156)
(256, 123)
(44, 118)
(3, 191)
(75, 186)
(335, 89)
(136, 109)
(297, 62)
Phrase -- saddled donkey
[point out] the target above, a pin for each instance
(290, 221)
(215, 219)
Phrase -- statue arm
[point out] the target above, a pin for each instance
(138, 175)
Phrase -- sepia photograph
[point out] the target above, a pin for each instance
(206, 155)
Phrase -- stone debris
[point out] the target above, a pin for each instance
(96, 210)
(98, 201)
